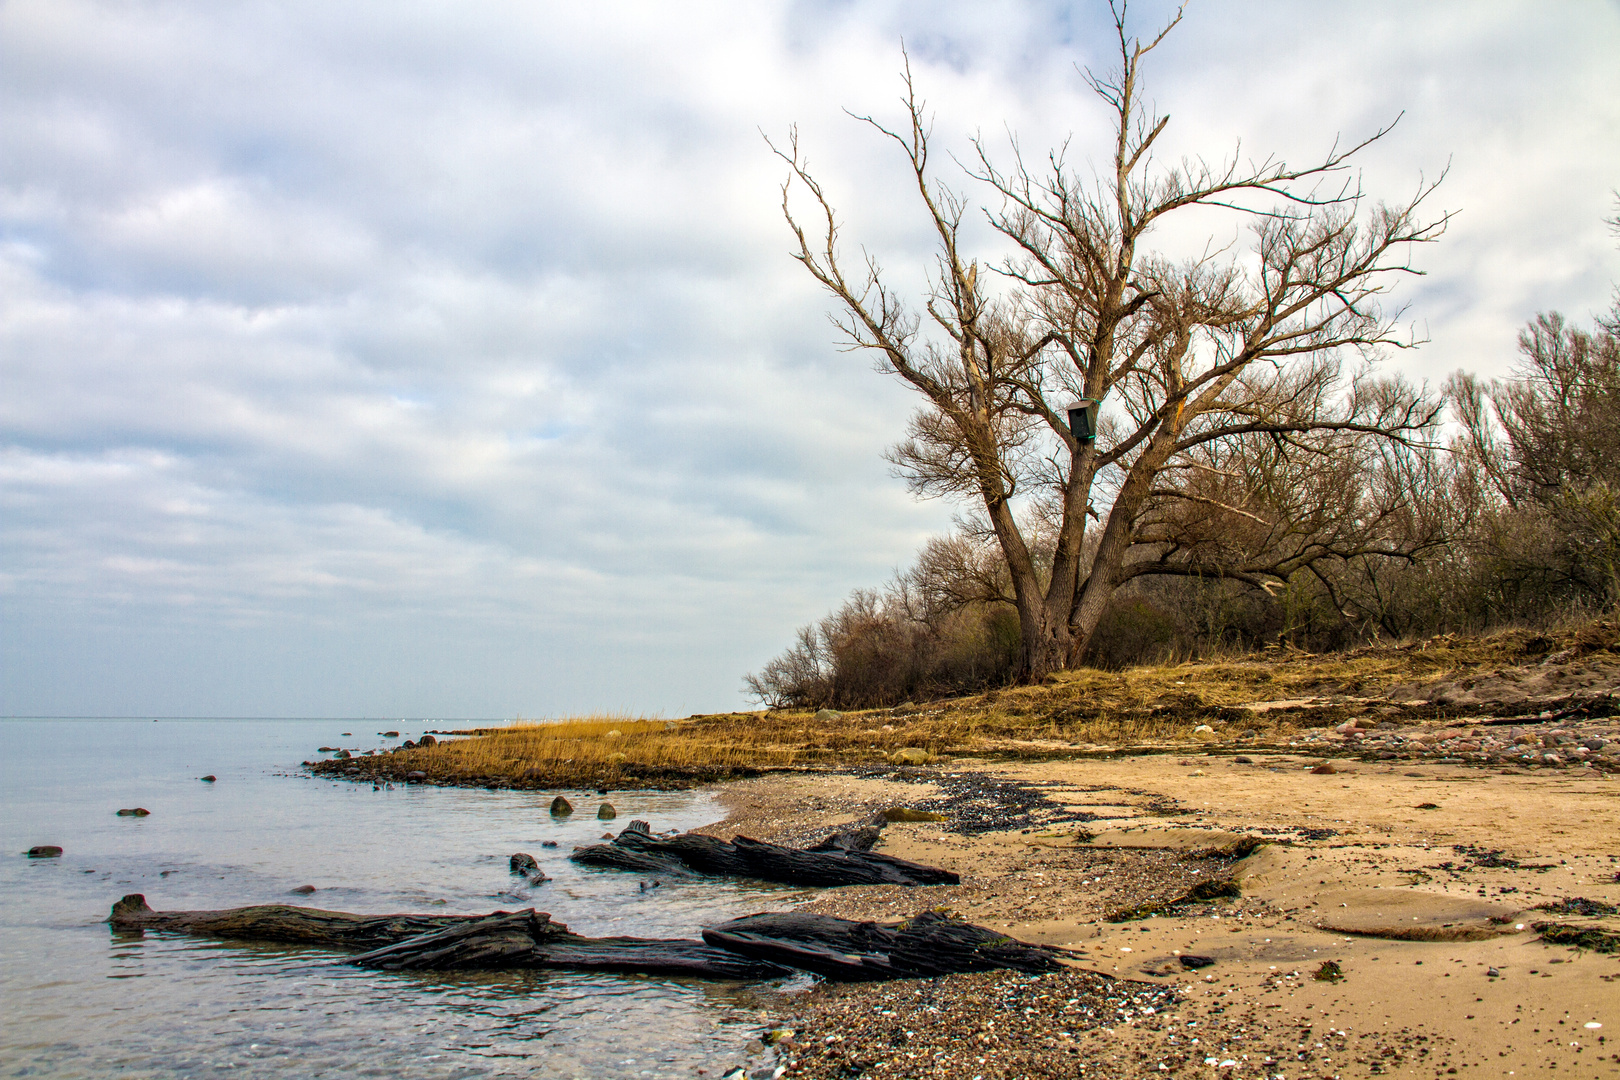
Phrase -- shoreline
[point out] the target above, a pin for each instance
(1407, 902)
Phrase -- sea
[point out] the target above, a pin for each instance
(78, 999)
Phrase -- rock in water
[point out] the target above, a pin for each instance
(43, 851)
(606, 812)
(209, 779)
(524, 864)
(561, 807)
(304, 890)
(134, 811)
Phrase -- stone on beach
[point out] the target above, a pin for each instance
(906, 813)
(911, 755)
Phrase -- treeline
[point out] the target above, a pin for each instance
(1509, 513)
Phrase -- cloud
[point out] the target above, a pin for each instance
(448, 359)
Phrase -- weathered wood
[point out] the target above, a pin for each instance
(522, 939)
(664, 956)
(284, 922)
(500, 940)
(838, 860)
(928, 945)
(859, 838)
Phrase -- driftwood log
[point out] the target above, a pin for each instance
(930, 944)
(528, 939)
(756, 947)
(841, 859)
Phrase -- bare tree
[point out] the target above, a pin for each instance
(1545, 444)
(1184, 356)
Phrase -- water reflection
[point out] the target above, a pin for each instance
(80, 1000)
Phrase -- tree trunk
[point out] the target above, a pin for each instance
(763, 946)
(1091, 600)
(930, 944)
(825, 864)
(522, 939)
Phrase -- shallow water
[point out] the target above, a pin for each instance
(79, 1000)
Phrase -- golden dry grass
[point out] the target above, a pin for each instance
(600, 746)
(1074, 712)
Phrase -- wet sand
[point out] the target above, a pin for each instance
(1420, 882)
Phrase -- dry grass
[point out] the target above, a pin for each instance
(1075, 712)
(601, 747)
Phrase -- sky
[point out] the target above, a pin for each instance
(442, 359)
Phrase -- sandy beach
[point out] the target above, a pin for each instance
(1419, 885)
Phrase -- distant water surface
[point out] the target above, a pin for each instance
(80, 1001)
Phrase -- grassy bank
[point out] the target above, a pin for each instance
(1275, 698)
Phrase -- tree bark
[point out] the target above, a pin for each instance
(762, 946)
(823, 865)
(522, 939)
(928, 945)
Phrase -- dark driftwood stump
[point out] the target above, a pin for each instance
(283, 922)
(927, 945)
(528, 939)
(841, 859)
(756, 947)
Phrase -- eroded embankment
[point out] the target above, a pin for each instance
(1513, 698)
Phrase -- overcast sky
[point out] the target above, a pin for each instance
(446, 360)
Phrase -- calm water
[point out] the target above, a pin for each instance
(79, 1000)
